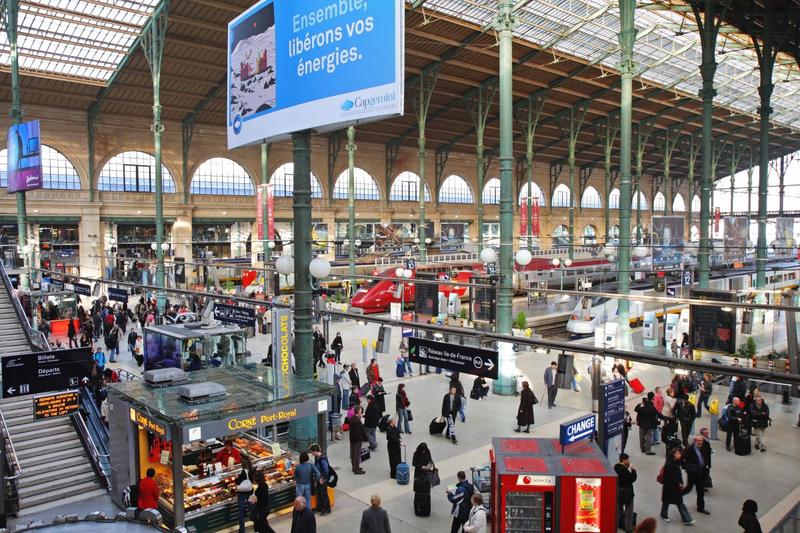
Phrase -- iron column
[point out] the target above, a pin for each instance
(264, 214)
(351, 199)
(627, 37)
(427, 82)
(505, 22)
(16, 113)
(303, 432)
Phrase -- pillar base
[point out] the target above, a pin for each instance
(624, 339)
(302, 433)
(506, 383)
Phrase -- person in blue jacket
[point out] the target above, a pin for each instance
(324, 467)
(460, 498)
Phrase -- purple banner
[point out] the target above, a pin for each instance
(24, 157)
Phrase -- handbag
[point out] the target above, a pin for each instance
(409, 415)
(535, 399)
(433, 477)
(246, 485)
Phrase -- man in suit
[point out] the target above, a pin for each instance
(550, 384)
(451, 404)
(696, 461)
(357, 438)
(355, 380)
(626, 476)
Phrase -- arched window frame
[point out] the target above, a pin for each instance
(282, 181)
(129, 172)
(455, 190)
(695, 204)
(678, 203)
(365, 186)
(590, 199)
(405, 188)
(639, 202)
(221, 176)
(491, 192)
(613, 198)
(561, 235)
(659, 202)
(562, 196)
(589, 234)
(537, 191)
(58, 172)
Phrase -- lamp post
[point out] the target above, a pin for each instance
(561, 266)
(403, 274)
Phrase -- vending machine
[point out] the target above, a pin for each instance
(537, 488)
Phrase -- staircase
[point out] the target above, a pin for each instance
(56, 469)
(13, 340)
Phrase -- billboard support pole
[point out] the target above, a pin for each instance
(153, 39)
(351, 199)
(504, 24)
(16, 112)
(627, 37)
(302, 433)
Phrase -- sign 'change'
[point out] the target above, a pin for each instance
(578, 429)
(313, 64)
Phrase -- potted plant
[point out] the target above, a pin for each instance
(463, 315)
(520, 323)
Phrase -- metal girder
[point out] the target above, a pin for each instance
(334, 147)
(442, 155)
(187, 131)
(391, 151)
(416, 4)
(614, 176)
(584, 173)
(556, 166)
(207, 99)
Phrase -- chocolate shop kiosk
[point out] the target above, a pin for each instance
(178, 423)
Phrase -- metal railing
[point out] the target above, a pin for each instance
(784, 517)
(12, 470)
(99, 460)
(35, 337)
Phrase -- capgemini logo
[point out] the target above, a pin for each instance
(347, 105)
(237, 124)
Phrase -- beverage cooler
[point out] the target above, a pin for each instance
(536, 488)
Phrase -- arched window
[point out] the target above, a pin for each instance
(589, 235)
(283, 182)
(591, 198)
(491, 192)
(133, 172)
(561, 236)
(659, 202)
(536, 192)
(613, 199)
(561, 196)
(639, 202)
(364, 186)
(695, 204)
(694, 234)
(613, 232)
(455, 190)
(406, 188)
(220, 175)
(58, 172)
(679, 204)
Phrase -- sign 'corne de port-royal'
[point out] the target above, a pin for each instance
(465, 359)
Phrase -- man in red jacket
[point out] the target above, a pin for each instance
(148, 491)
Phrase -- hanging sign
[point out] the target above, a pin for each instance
(118, 295)
(523, 219)
(313, 64)
(717, 216)
(535, 216)
(46, 371)
(282, 346)
(578, 429)
(235, 314)
(56, 405)
(82, 289)
(24, 168)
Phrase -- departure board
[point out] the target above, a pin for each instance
(55, 405)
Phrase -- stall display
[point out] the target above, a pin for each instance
(178, 423)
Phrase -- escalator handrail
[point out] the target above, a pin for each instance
(88, 405)
(15, 464)
(35, 337)
(95, 455)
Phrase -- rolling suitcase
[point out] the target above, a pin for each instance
(636, 385)
(437, 426)
(403, 470)
(400, 370)
(741, 443)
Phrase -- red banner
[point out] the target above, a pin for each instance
(535, 216)
(259, 213)
(261, 190)
(717, 216)
(270, 213)
(523, 219)
(248, 277)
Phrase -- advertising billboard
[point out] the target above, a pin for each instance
(295, 65)
(713, 327)
(453, 235)
(24, 157)
(668, 241)
(784, 235)
(735, 241)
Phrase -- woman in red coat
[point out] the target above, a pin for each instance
(148, 491)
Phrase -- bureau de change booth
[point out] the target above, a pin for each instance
(179, 422)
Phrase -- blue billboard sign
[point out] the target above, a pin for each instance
(295, 65)
(24, 169)
(612, 407)
(577, 430)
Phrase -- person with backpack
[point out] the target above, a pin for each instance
(325, 474)
(706, 388)
(305, 474)
(460, 498)
(685, 413)
(672, 488)
(100, 359)
(402, 403)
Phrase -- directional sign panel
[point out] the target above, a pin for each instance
(686, 278)
(82, 289)
(234, 314)
(40, 372)
(465, 359)
(55, 405)
(118, 295)
(578, 429)
(612, 410)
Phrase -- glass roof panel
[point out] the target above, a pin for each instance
(667, 51)
(82, 40)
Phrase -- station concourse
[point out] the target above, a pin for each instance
(609, 186)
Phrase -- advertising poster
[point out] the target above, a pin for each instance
(319, 237)
(453, 235)
(668, 241)
(784, 234)
(535, 216)
(24, 169)
(313, 64)
(735, 240)
(523, 219)
(262, 190)
(713, 328)
(587, 504)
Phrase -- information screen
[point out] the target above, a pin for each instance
(55, 405)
